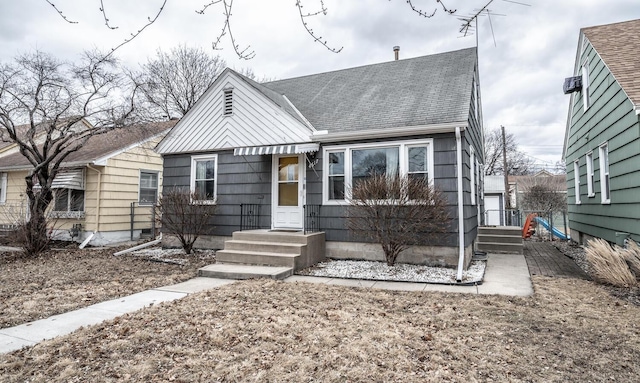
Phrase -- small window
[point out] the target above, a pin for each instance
(3, 188)
(67, 200)
(576, 180)
(586, 97)
(148, 188)
(336, 175)
(589, 160)
(228, 102)
(204, 177)
(604, 174)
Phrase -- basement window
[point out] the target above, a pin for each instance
(228, 102)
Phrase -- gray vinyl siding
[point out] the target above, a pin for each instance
(333, 221)
(241, 180)
(247, 179)
(610, 118)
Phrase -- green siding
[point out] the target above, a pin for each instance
(610, 118)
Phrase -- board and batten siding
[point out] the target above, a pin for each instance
(255, 121)
(611, 119)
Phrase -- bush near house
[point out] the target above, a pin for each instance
(615, 265)
(396, 212)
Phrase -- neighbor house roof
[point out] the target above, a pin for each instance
(99, 146)
(618, 44)
(426, 90)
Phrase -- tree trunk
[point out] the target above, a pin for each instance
(36, 236)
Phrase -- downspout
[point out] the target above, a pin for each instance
(97, 224)
(460, 207)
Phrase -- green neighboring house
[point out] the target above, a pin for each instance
(602, 141)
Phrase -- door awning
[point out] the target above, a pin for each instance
(276, 149)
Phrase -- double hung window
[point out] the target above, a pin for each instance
(204, 177)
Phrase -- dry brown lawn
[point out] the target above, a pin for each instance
(267, 331)
(63, 280)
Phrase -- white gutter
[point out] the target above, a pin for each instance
(460, 207)
(325, 136)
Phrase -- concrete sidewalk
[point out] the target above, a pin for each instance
(506, 274)
(29, 334)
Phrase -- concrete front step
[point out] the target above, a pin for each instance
(271, 236)
(500, 238)
(236, 271)
(257, 258)
(261, 246)
(495, 247)
(500, 230)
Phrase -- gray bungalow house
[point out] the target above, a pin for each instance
(282, 155)
(602, 142)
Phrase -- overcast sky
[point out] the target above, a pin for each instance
(521, 73)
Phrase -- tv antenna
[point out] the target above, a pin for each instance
(467, 27)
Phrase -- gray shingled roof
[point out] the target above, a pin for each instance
(424, 90)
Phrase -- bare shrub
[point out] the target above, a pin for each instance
(608, 265)
(396, 212)
(545, 197)
(181, 215)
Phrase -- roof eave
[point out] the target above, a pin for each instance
(324, 136)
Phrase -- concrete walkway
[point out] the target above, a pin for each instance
(506, 274)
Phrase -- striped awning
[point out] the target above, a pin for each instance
(276, 149)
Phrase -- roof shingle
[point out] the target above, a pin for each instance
(618, 45)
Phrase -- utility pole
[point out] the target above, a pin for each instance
(507, 197)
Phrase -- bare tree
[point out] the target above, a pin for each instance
(544, 197)
(397, 212)
(517, 161)
(45, 107)
(172, 82)
(181, 217)
(226, 6)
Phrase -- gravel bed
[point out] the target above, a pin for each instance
(574, 251)
(371, 270)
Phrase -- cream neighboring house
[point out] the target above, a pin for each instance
(104, 192)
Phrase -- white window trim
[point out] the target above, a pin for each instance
(576, 180)
(590, 175)
(347, 149)
(202, 157)
(586, 97)
(472, 173)
(157, 173)
(604, 148)
(3, 185)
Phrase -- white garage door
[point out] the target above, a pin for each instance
(492, 210)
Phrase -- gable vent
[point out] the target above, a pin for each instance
(572, 84)
(228, 102)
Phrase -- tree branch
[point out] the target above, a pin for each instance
(323, 11)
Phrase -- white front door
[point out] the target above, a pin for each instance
(288, 192)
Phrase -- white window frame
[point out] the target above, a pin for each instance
(403, 153)
(605, 187)
(205, 157)
(590, 175)
(3, 188)
(576, 180)
(586, 97)
(157, 188)
(472, 173)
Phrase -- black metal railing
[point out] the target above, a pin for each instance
(311, 218)
(503, 217)
(249, 216)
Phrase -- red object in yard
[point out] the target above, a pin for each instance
(529, 226)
